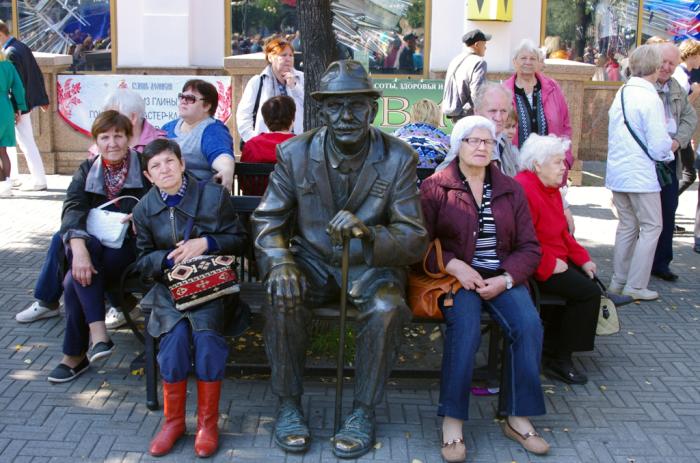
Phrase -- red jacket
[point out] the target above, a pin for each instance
(552, 230)
(263, 148)
(451, 215)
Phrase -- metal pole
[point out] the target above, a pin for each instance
(345, 266)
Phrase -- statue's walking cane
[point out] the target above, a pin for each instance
(344, 269)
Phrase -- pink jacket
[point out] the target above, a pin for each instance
(555, 110)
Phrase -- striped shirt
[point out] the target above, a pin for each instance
(485, 260)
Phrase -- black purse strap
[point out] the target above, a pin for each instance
(629, 127)
(257, 99)
(190, 220)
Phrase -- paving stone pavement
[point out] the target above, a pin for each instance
(642, 403)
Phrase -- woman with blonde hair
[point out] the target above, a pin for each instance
(423, 134)
(637, 139)
(278, 78)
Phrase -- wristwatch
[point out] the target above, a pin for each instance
(509, 280)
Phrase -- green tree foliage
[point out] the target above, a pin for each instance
(570, 20)
(415, 15)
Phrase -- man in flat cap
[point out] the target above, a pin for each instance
(343, 180)
(465, 74)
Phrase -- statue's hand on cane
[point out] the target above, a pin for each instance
(286, 286)
(346, 225)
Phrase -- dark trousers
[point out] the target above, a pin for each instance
(49, 284)
(48, 287)
(571, 328)
(669, 204)
(381, 318)
(182, 346)
(85, 305)
(688, 172)
(517, 316)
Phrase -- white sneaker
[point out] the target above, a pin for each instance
(642, 294)
(115, 318)
(6, 189)
(33, 187)
(35, 312)
(16, 183)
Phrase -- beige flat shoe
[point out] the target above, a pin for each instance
(454, 451)
(531, 441)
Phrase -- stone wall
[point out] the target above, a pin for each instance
(597, 98)
(63, 148)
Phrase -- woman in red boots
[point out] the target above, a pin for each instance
(176, 206)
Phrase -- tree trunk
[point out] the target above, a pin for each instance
(318, 45)
(584, 20)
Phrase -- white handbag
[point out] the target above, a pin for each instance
(107, 226)
(608, 321)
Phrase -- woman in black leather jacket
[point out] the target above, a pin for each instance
(161, 219)
(114, 173)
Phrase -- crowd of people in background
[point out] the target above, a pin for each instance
(497, 203)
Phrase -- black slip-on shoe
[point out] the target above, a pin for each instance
(63, 373)
(100, 350)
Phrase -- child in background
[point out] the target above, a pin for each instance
(510, 126)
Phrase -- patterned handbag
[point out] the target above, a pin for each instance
(201, 279)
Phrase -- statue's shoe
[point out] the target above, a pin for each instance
(356, 435)
(291, 431)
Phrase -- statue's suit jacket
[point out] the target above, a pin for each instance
(290, 223)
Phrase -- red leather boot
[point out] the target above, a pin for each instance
(174, 397)
(207, 439)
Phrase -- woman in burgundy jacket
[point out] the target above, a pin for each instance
(488, 243)
(566, 268)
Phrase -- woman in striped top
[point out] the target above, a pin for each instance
(488, 242)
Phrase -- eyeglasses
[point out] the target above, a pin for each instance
(188, 98)
(476, 142)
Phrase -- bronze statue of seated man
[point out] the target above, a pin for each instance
(340, 181)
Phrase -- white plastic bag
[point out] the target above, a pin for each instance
(107, 226)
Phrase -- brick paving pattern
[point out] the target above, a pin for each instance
(642, 403)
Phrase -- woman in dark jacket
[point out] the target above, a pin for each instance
(482, 220)
(114, 173)
(197, 334)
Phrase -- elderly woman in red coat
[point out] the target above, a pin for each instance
(482, 221)
(566, 268)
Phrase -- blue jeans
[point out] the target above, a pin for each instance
(175, 354)
(49, 284)
(48, 287)
(669, 204)
(515, 313)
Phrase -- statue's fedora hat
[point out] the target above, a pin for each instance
(345, 77)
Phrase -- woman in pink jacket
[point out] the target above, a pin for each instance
(538, 100)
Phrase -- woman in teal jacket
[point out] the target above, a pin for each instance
(11, 103)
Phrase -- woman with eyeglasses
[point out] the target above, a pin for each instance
(206, 143)
(482, 220)
(278, 78)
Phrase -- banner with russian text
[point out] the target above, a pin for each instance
(80, 97)
(398, 95)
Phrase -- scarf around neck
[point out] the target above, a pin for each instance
(115, 176)
(528, 114)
